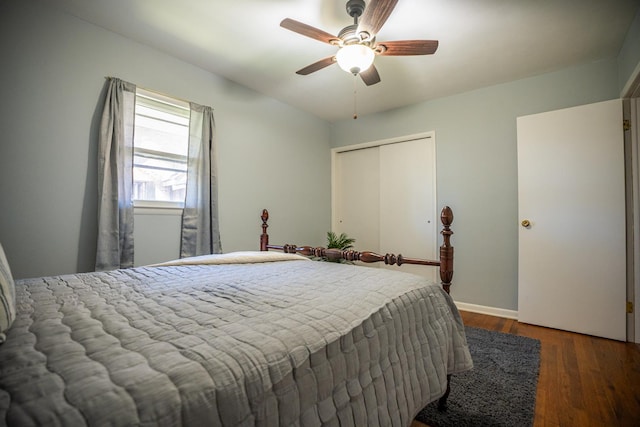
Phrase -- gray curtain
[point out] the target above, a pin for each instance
(200, 228)
(115, 167)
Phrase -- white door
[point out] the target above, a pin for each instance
(571, 269)
(384, 197)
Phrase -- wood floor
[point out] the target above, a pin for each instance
(584, 381)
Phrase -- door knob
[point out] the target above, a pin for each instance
(526, 223)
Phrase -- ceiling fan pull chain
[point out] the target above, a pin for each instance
(355, 93)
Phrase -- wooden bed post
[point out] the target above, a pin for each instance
(264, 237)
(446, 250)
(446, 274)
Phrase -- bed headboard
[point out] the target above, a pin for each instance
(446, 250)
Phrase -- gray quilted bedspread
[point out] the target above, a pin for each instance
(278, 343)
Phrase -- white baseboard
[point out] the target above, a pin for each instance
(492, 311)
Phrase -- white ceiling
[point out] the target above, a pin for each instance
(482, 42)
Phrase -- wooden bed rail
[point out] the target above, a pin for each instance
(446, 250)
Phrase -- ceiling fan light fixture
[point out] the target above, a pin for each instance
(355, 58)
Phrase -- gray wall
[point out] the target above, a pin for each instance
(475, 135)
(52, 89)
(629, 57)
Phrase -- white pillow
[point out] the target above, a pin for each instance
(7, 297)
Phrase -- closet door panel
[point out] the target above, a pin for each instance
(407, 201)
(358, 198)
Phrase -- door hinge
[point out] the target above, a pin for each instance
(626, 124)
(629, 307)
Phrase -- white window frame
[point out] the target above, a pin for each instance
(179, 108)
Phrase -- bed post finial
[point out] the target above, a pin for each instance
(446, 250)
(264, 237)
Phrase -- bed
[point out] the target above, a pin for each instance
(249, 338)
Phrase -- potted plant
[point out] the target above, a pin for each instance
(342, 242)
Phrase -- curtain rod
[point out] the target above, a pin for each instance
(159, 93)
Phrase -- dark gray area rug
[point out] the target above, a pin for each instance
(500, 390)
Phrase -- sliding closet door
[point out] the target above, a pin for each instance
(385, 197)
(407, 201)
(357, 197)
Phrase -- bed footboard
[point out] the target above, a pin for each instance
(446, 250)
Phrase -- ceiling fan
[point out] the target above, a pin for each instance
(357, 43)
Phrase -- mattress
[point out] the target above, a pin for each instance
(243, 342)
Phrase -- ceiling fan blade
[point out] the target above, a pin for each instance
(407, 47)
(375, 15)
(370, 76)
(308, 30)
(319, 65)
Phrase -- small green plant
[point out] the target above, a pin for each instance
(339, 242)
(342, 242)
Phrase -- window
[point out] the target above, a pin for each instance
(160, 148)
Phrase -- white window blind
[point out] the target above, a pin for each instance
(161, 142)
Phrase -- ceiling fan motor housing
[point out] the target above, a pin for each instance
(349, 35)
